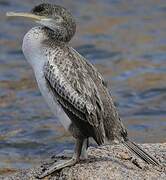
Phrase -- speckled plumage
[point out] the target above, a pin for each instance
(64, 76)
(79, 89)
(64, 30)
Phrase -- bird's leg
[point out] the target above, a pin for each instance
(65, 163)
(85, 146)
(66, 154)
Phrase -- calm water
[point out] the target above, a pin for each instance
(126, 40)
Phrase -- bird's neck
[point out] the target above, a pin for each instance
(32, 47)
(60, 34)
(38, 39)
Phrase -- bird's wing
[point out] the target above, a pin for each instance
(74, 86)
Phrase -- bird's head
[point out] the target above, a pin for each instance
(56, 19)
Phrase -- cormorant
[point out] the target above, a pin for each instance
(66, 78)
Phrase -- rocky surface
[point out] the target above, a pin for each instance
(106, 163)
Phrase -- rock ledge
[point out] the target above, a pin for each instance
(107, 163)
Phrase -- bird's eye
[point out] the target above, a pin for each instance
(58, 18)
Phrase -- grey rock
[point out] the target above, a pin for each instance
(106, 163)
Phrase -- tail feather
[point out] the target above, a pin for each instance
(141, 153)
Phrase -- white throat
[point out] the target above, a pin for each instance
(32, 47)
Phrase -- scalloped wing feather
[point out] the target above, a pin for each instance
(68, 76)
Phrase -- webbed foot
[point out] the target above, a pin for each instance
(58, 166)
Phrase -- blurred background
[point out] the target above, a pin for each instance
(126, 41)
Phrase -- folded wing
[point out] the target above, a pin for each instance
(75, 90)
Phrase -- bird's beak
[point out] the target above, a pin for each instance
(26, 15)
(45, 21)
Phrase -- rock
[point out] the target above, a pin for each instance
(105, 163)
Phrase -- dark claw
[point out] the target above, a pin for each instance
(44, 169)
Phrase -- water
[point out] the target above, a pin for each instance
(126, 40)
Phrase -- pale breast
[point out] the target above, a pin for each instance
(33, 51)
(51, 100)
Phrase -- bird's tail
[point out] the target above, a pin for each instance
(141, 153)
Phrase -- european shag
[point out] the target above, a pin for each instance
(66, 78)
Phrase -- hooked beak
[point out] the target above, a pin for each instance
(45, 21)
(26, 15)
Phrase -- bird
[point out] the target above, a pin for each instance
(69, 82)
